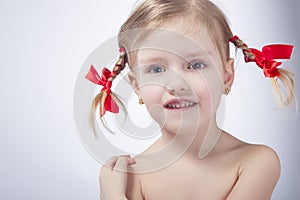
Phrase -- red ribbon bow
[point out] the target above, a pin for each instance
(106, 81)
(265, 58)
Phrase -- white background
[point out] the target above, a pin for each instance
(42, 47)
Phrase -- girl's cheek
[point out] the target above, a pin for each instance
(152, 96)
(214, 87)
(207, 86)
(151, 93)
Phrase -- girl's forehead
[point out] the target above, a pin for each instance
(175, 40)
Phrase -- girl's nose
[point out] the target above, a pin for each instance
(176, 84)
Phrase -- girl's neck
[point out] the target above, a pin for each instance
(193, 144)
(170, 147)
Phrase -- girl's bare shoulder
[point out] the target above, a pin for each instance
(252, 157)
(258, 168)
(231, 143)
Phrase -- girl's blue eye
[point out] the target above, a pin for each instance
(157, 69)
(196, 65)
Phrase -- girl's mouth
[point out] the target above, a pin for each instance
(179, 104)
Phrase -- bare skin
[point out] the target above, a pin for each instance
(233, 170)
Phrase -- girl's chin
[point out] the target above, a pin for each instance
(181, 127)
(188, 119)
(185, 123)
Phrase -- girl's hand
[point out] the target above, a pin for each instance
(113, 178)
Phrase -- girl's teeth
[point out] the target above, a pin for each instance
(181, 105)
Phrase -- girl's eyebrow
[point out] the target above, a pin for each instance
(149, 59)
(197, 53)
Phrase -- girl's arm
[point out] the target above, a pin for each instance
(258, 175)
(134, 188)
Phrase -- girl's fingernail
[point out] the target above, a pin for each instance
(131, 160)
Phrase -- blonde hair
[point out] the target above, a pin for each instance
(155, 13)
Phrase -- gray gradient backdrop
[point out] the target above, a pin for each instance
(42, 47)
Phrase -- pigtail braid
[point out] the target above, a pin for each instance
(120, 64)
(241, 45)
(285, 96)
(106, 99)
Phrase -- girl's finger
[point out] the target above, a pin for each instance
(131, 161)
(121, 164)
(108, 166)
(111, 162)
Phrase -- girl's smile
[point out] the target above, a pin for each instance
(179, 104)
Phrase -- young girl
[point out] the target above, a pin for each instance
(178, 55)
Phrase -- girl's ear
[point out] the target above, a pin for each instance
(229, 73)
(133, 81)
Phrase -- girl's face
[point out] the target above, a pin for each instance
(180, 77)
